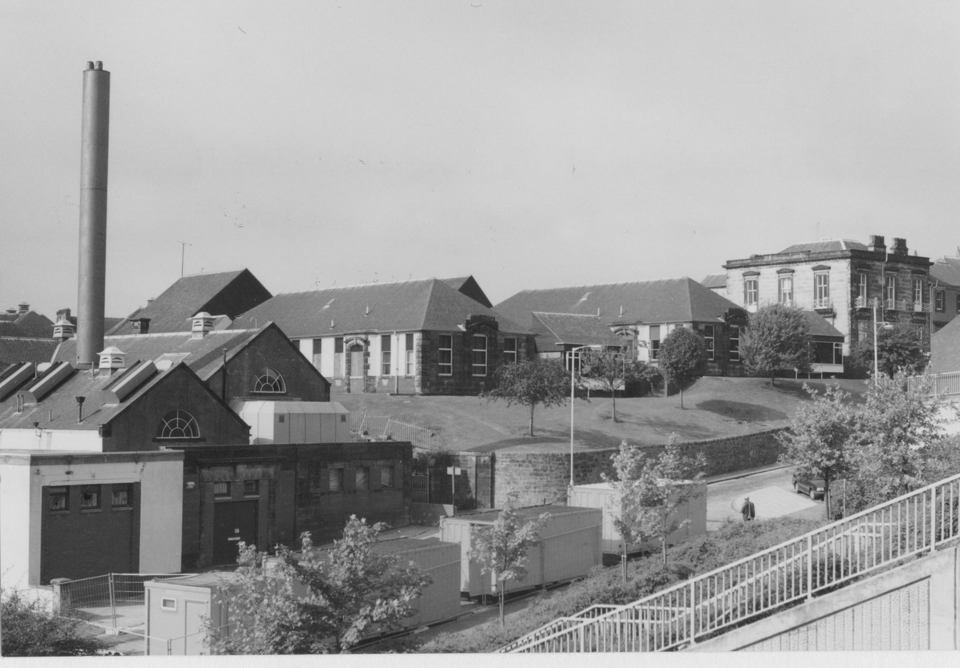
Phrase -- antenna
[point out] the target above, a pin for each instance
(183, 249)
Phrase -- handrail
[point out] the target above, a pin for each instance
(759, 584)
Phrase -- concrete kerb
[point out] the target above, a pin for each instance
(723, 477)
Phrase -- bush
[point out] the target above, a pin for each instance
(29, 630)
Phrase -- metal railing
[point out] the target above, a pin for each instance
(383, 428)
(940, 384)
(764, 583)
(105, 600)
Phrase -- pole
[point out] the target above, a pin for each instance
(876, 358)
(571, 358)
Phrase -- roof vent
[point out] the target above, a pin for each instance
(14, 380)
(202, 325)
(48, 382)
(132, 381)
(112, 359)
(23, 307)
(63, 329)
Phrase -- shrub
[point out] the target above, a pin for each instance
(29, 630)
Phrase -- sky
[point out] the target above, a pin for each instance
(530, 144)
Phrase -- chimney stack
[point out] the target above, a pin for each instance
(94, 136)
(877, 243)
(900, 246)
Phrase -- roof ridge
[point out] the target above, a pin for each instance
(357, 285)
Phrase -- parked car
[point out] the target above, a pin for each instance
(812, 487)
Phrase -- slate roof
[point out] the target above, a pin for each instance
(713, 281)
(26, 350)
(425, 305)
(664, 301)
(554, 330)
(818, 326)
(945, 348)
(58, 410)
(825, 246)
(203, 355)
(946, 270)
(26, 325)
(173, 309)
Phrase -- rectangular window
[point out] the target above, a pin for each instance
(734, 343)
(479, 355)
(785, 290)
(385, 355)
(708, 338)
(315, 478)
(168, 604)
(958, 303)
(862, 290)
(221, 490)
(890, 290)
(338, 357)
(121, 496)
(751, 291)
(409, 354)
(654, 341)
(89, 497)
(59, 498)
(335, 480)
(821, 290)
(317, 350)
(941, 301)
(251, 488)
(918, 294)
(837, 353)
(386, 476)
(509, 350)
(445, 358)
(362, 478)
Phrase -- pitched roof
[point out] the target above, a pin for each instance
(946, 270)
(203, 355)
(173, 309)
(26, 325)
(468, 285)
(554, 330)
(671, 300)
(59, 410)
(26, 350)
(713, 281)
(430, 304)
(817, 325)
(825, 246)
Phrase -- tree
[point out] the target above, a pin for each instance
(611, 369)
(529, 383)
(501, 548)
(317, 600)
(29, 630)
(898, 347)
(650, 490)
(682, 358)
(819, 438)
(776, 338)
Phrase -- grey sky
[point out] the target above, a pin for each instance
(531, 144)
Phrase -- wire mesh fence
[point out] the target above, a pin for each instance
(113, 601)
(385, 428)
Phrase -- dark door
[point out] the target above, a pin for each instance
(233, 521)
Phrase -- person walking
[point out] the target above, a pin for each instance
(748, 510)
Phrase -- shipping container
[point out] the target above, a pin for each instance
(568, 548)
(691, 515)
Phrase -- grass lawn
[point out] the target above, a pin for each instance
(714, 407)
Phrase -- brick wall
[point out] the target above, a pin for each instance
(543, 477)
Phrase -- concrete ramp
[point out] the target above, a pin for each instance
(772, 502)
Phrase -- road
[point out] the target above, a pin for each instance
(771, 492)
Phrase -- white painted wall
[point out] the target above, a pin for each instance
(75, 440)
(21, 507)
(397, 357)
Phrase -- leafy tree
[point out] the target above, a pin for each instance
(682, 358)
(611, 369)
(29, 630)
(317, 600)
(501, 548)
(777, 337)
(529, 383)
(819, 438)
(898, 347)
(650, 490)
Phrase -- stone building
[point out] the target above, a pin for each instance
(842, 281)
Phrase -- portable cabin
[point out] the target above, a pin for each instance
(177, 610)
(439, 600)
(294, 421)
(568, 548)
(691, 515)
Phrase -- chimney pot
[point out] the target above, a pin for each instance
(99, 64)
(89, 64)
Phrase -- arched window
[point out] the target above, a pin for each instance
(178, 424)
(270, 382)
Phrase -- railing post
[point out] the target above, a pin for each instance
(113, 601)
(693, 609)
(933, 519)
(809, 567)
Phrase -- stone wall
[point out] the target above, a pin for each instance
(543, 477)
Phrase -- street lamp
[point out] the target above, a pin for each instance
(876, 357)
(572, 356)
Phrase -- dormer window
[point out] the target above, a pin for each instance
(178, 425)
(270, 382)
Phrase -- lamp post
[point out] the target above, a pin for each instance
(876, 356)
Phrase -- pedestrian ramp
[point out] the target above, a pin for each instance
(773, 502)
